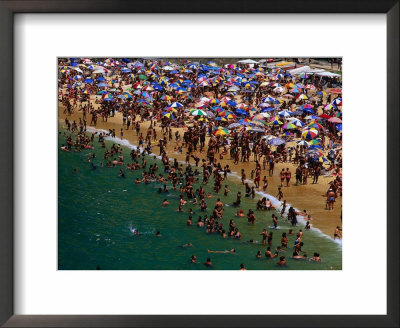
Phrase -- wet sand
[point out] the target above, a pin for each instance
(310, 197)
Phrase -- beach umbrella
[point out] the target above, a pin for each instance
(143, 77)
(220, 131)
(99, 70)
(287, 95)
(310, 86)
(325, 116)
(265, 115)
(321, 93)
(295, 90)
(289, 126)
(223, 119)
(303, 143)
(198, 112)
(278, 89)
(210, 114)
(276, 141)
(176, 105)
(233, 125)
(302, 96)
(88, 81)
(268, 99)
(339, 127)
(308, 110)
(315, 125)
(241, 112)
(166, 97)
(254, 129)
(309, 133)
(168, 115)
(298, 123)
(258, 117)
(337, 102)
(242, 106)
(315, 142)
(275, 122)
(303, 76)
(335, 120)
(337, 91)
(201, 119)
(267, 109)
(321, 159)
(285, 113)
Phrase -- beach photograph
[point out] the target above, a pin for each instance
(199, 163)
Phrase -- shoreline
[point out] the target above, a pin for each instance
(300, 197)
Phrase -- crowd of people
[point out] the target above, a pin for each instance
(241, 113)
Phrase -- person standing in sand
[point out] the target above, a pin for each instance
(331, 196)
(288, 176)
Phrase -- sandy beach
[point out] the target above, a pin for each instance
(310, 197)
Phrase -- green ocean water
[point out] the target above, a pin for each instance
(97, 210)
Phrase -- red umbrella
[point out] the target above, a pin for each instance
(325, 116)
(339, 91)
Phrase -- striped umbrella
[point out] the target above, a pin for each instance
(309, 133)
(289, 126)
(198, 112)
(220, 131)
(302, 96)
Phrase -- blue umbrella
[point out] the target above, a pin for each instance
(276, 141)
(74, 64)
(316, 147)
(231, 103)
(233, 125)
(101, 78)
(241, 112)
(102, 85)
(308, 110)
(88, 81)
(267, 109)
(298, 112)
(339, 127)
(125, 60)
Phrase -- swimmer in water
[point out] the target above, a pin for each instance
(208, 262)
(269, 255)
(258, 255)
(282, 261)
(165, 202)
(158, 234)
(187, 245)
(193, 259)
(316, 258)
(240, 213)
(223, 252)
(242, 267)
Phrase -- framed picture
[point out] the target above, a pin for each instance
(153, 152)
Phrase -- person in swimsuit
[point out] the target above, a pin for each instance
(282, 261)
(288, 176)
(283, 176)
(331, 198)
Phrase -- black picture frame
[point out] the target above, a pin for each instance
(7, 11)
